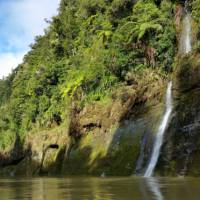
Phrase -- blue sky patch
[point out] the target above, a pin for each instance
(20, 22)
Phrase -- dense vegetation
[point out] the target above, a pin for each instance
(196, 16)
(89, 49)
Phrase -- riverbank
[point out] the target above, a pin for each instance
(89, 96)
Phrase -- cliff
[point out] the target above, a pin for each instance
(88, 97)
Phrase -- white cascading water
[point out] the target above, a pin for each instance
(160, 133)
(185, 39)
(185, 47)
(188, 46)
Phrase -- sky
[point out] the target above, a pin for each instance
(20, 22)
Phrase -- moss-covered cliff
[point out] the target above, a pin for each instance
(180, 155)
(89, 95)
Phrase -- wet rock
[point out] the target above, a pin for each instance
(103, 136)
(180, 152)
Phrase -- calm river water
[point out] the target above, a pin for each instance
(100, 188)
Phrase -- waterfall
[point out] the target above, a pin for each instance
(160, 133)
(185, 38)
(188, 46)
(185, 47)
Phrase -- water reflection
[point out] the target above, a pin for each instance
(154, 186)
(134, 188)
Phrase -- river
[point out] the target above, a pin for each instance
(85, 188)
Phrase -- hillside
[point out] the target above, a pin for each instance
(100, 67)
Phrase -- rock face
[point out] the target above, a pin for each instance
(115, 137)
(42, 153)
(112, 133)
(103, 138)
(181, 151)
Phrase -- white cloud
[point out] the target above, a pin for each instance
(30, 14)
(21, 21)
(9, 61)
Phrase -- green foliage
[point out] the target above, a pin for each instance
(86, 51)
(7, 139)
(196, 16)
(146, 19)
(196, 10)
